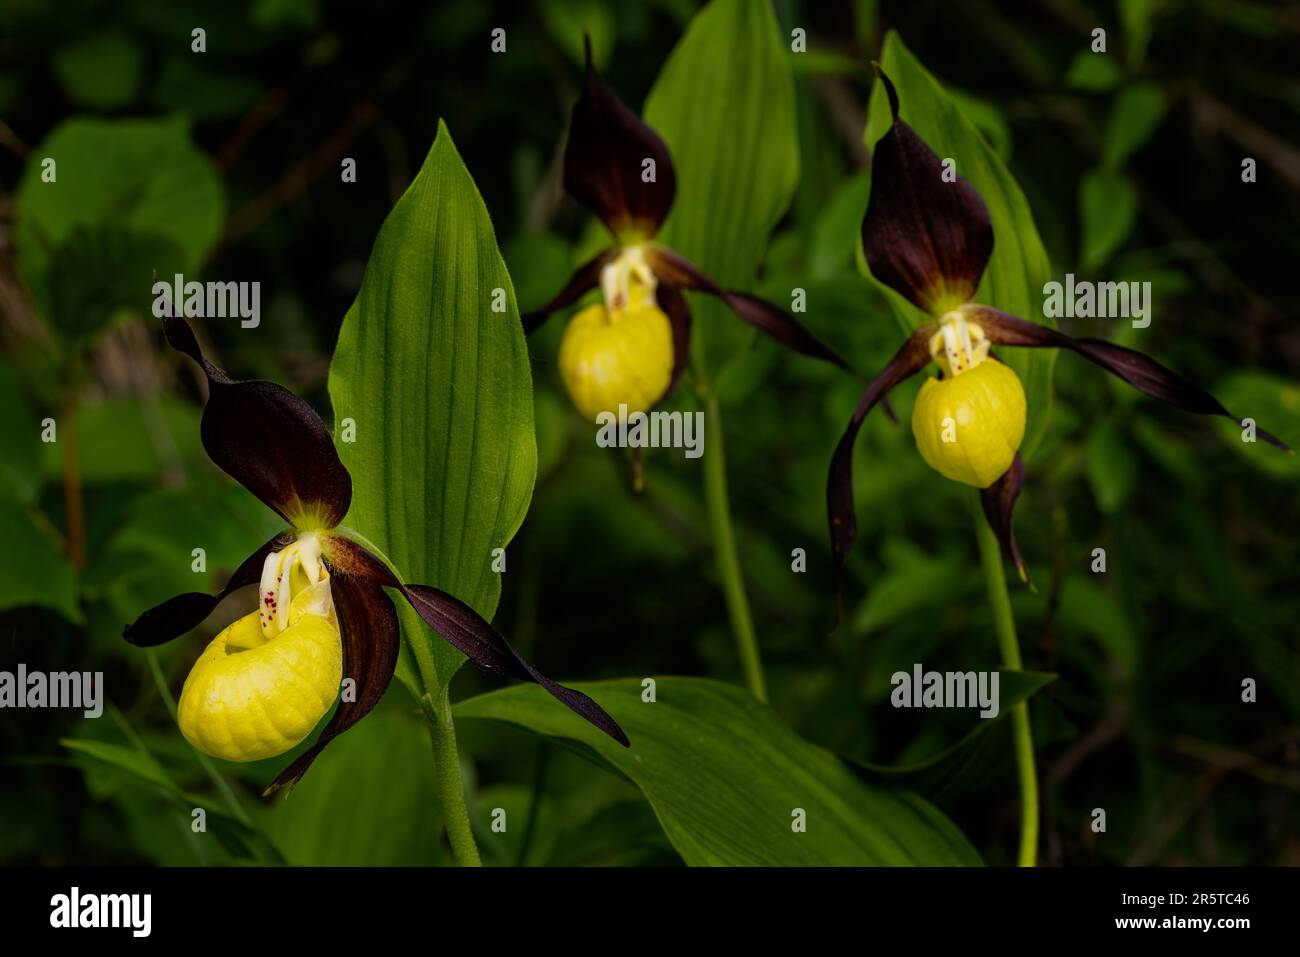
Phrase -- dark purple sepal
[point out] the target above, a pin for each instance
(674, 306)
(1140, 371)
(466, 630)
(909, 360)
(269, 441)
(922, 236)
(999, 501)
(603, 161)
(676, 270)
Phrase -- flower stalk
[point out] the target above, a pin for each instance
(448, 786)
(724, 547)
(1004, 625)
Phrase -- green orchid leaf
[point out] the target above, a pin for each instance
(143, 179)
(1018, 269)
(724, 104)
(934, 773)
(1272, 402)
(727, 778)
(380, 771)
(1107, 215)
(1135, 116)
(431, 374)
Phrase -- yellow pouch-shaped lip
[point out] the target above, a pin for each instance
(968, 427)
(249, 697)
(625, 357)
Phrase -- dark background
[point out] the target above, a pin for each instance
(1146, 719)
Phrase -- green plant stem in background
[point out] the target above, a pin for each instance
(1004, 623)
(449, 789)
(160, 681)
(724, 547)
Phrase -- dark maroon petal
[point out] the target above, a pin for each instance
(999, 501)
(603, 162)
(909, 360)
(182, 614)
(269, 441)
(1140, 371)
(924, 237)
(368, 626)
(463, 627)
(675, 269)
(673, 304)
(586, 278)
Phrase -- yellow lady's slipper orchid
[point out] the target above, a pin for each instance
(969, 423)
(928, 236)
(619, 352)
(264, 682)
(631, 349)
(323, 615)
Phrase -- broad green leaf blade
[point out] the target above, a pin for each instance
(724, 104)
(438, 386)
(1019, 268)
(381, 773)
(1135, 116)
(1107, 215)
(725, 776)
(142, 177)
(34, 569)
(101, 71)
(1013, 688)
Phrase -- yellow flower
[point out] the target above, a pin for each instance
(968, 425)
(264, 683)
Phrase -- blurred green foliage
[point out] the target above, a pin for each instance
(226, 165)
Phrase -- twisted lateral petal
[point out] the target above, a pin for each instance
(675, 269)
(583, 280)
(368, 624)
(673, 304)
(923, 236)
(465, 629)
(909, 360)
(1140, 371)
(999, 501)
(182, 614)
(603, 161)
(269, 441)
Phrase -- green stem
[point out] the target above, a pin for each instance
(724, 547)
(448, 788)
(1005, 624)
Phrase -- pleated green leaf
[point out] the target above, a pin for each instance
(436, 383)
(728, 779)
(724, 104)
